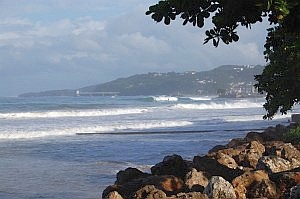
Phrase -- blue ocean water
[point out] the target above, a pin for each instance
(72, 147)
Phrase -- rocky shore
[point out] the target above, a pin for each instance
(261, 165)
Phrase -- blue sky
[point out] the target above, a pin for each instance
(57, 44)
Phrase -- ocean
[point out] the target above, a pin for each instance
(72, 147)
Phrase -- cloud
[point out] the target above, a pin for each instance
(68, 44)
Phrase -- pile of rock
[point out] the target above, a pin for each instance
(260, 165)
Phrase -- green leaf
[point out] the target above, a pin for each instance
(215, 43)
(167, 20)
(235, 37)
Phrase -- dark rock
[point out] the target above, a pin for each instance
(236, 142)
(169, 184)
(128, 175)
(110, 189)
(218, 187)
(254, 136)
(274, 133)
(285, 181)
(264, 188)
(213, 167)
(217, 148)
(171, 165)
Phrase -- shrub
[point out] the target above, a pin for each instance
(293, 135)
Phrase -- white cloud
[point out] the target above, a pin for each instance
(66, 42)
(138, 42)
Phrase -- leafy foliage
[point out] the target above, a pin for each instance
(293, 135)
(281, 78)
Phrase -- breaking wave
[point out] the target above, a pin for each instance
(165, 98)
(200, 98)
(213, 105)
(73, 113)
(129, 127)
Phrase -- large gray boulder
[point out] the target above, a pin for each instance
(218, 187)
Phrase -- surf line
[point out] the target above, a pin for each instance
(165, 132)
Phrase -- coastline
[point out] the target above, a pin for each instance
(259, 165)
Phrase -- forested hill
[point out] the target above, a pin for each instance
(223, 78)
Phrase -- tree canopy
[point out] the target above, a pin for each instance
(280, 79)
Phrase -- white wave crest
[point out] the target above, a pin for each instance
(127, 127)
(200, 98)
(165, 98)
(73, 113)
(214, 105)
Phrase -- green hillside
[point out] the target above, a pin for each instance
(229, 78)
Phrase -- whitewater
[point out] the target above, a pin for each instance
(72, 147)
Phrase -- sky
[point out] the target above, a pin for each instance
(68, 44)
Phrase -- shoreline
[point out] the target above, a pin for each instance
(257, 165)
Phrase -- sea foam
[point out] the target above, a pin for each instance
(165, 98)
(213, 105)
(72, 113)
(112, 128)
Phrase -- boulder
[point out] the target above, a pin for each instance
(246, 154)
(169, 184)
(191, 195)
(149, 192)
(275, 164)
(113, 195)
(254, 136)
(128, 175)
(171, 165)
(285, 181)
(213, 167)
(110, 189)
(217, 148)
(249, 156)
(196, 180)
(249, 178)
(283, 150)
(218, 187)
(234, 143)
(274, 133)
(264, 188)
(226, 160)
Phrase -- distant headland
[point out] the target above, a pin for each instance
(225, 81)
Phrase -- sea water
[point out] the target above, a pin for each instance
(72, 147)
